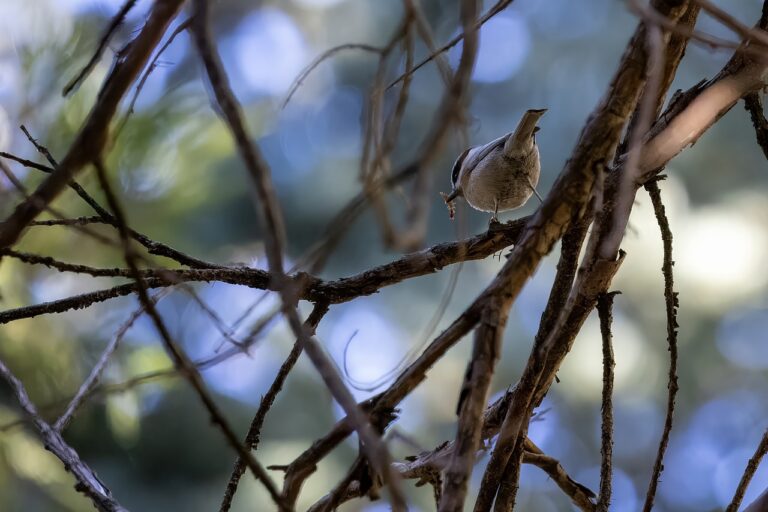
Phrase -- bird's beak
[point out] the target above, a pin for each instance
(450, 197)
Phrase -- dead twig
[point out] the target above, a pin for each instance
(605, 311)
(116, 21)
(87, 482)
(98, 368)
(252, 437)
(94, 133)
(672, 303)
(754, 106)
(319, 60)
(180, 359)
(271, 218)
(749, 472)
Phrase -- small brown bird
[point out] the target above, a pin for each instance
(501, 175)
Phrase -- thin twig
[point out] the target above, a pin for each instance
(754, 106)
(76, 221)
(143, 80)
(253, 435)
(319, 60)
(26, 163)
(98, 368)
(272, 221)
(747, 33)
(490, 13)
(180, 359)
(87, 482)
(93, 135)
(749, 472)
(153, 247)
(604, 309)
(116, 21)
(672, 303)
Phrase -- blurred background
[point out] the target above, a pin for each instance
(183, 184)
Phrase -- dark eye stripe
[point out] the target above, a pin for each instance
(457, 167)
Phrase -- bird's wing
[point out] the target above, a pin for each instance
(477, 153)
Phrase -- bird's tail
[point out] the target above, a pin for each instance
(522, 138)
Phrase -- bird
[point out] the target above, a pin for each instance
(502, 174)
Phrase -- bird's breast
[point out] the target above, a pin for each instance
(499, 180)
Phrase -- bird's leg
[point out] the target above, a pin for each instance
(495, 218)
(530, 184)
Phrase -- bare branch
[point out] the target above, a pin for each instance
(472, 399)
(254, 431)
(417, 264)
(87, 482)
(605, 311)
(426, 468)
(672, 303)
(97, 370)
(117, 20)
(94, 134)
(580, 495)
(749, 472)
(273, 224)
(180, 359)
(382, 405)
(754, 106)
(320, 59)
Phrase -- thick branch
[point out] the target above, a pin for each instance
(472, 399)
(345, 289)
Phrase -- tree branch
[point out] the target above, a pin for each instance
(754, 106)
(117, 20)
(254, 431)
(749, 472)
(94, 134)
(87, 481)
(605, 311)
(671, 303)
(179, 358)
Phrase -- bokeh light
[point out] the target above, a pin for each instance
(742, 337)
(271, 51)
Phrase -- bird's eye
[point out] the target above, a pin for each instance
(457, 168)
